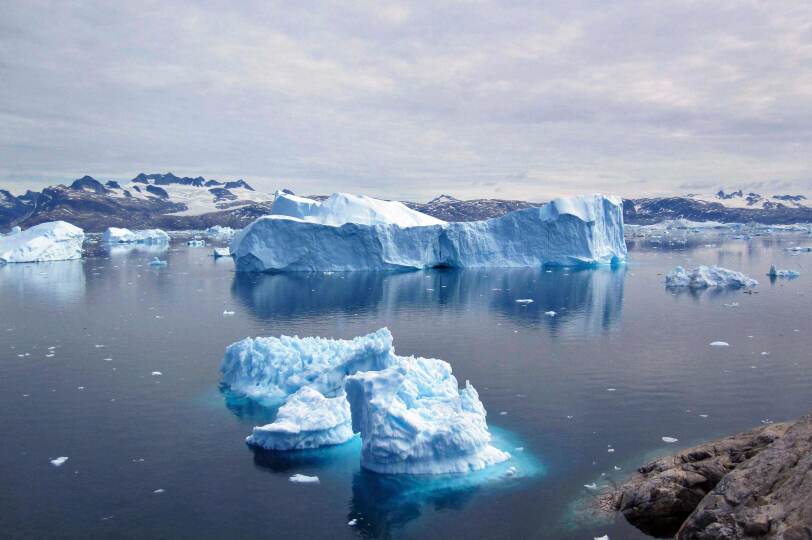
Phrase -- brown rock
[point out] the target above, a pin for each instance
(662, 494)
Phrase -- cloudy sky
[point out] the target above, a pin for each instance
(409, 100)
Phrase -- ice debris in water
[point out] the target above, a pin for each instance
(604, 537)
(57, 462)
(304, 479)
(306, 420)
(352, 522)
(351, 232)
(550, 313)
(227, 313)
(703, 277)
(156, 373)
(221, 252)
(412, 416)
(774, 272)
(524, 301)
(719, 344)
(670, 439)
(52, 241)
(593, 486)
(157, 262)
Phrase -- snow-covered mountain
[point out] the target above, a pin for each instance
(171, 202)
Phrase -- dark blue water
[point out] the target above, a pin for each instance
(112, 321)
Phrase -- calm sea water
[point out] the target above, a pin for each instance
(622, 364)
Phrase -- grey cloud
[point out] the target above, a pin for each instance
(411, 99)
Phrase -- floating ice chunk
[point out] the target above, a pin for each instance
(156, 373)
(703, 277)
(550, 313)
(221, 252)
(670, 439)
(220, 233)
(414, 419)
(719, 344)
(604, 537)
(358, 233)
(159, 490)
(227, 313)
(306, 420)
(269, 369)
(157, 262)
(593, 486)
(115, 235)
(52, 241)
(352, 522)
(524, 301)
(304, 479)
(774, 272)
(196, 243)
(57, 462)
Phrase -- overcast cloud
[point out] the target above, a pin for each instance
(409, 100)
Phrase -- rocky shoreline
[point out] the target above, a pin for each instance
(754, 485)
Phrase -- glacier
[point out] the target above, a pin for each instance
(116, 235)
(703, 277)
(306, 420)
(348, 232)
(51, 241)
(410, 412)
(414, 419)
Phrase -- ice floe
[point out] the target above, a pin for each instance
(703, 277)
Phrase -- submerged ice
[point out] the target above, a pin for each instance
(703, 277)
(410, 412)
(348, 232)
(52, 241)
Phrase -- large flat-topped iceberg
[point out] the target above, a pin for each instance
(116, 235)
(414, 419)
(52, 241)
(572, 231)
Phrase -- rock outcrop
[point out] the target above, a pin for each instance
(756, 484)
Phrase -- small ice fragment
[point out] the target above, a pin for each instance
(352, 522)
(617, 468)
(156, 373)
(226, 313)
(524, 301)
(519, 448)
(550, 313)
(611, 389)
(670, 439)
(610, 450)
(80, 387)
(592, 486)
(719, 344)
(304, 479)
(703, 415)
(765, 353)
(503, 413)
(511, 471)
(159, 490)
(604, 537)
(59, 461)
(157, 262)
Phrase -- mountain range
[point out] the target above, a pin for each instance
(171, 202)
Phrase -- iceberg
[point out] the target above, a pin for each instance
(52, 241)
(774, 272)
(220, 233)
(116, 235)
(414, 419)
(221, 252)
(306, 420)
(348, 232)
(269, 369)
(703, 277)
(410, 412)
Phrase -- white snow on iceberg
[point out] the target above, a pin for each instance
(414, 419)
(306, 420)
(220, 233)
(116, 235)
(703, 277)
(348, 232)
(52, 241)
(269, 369)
